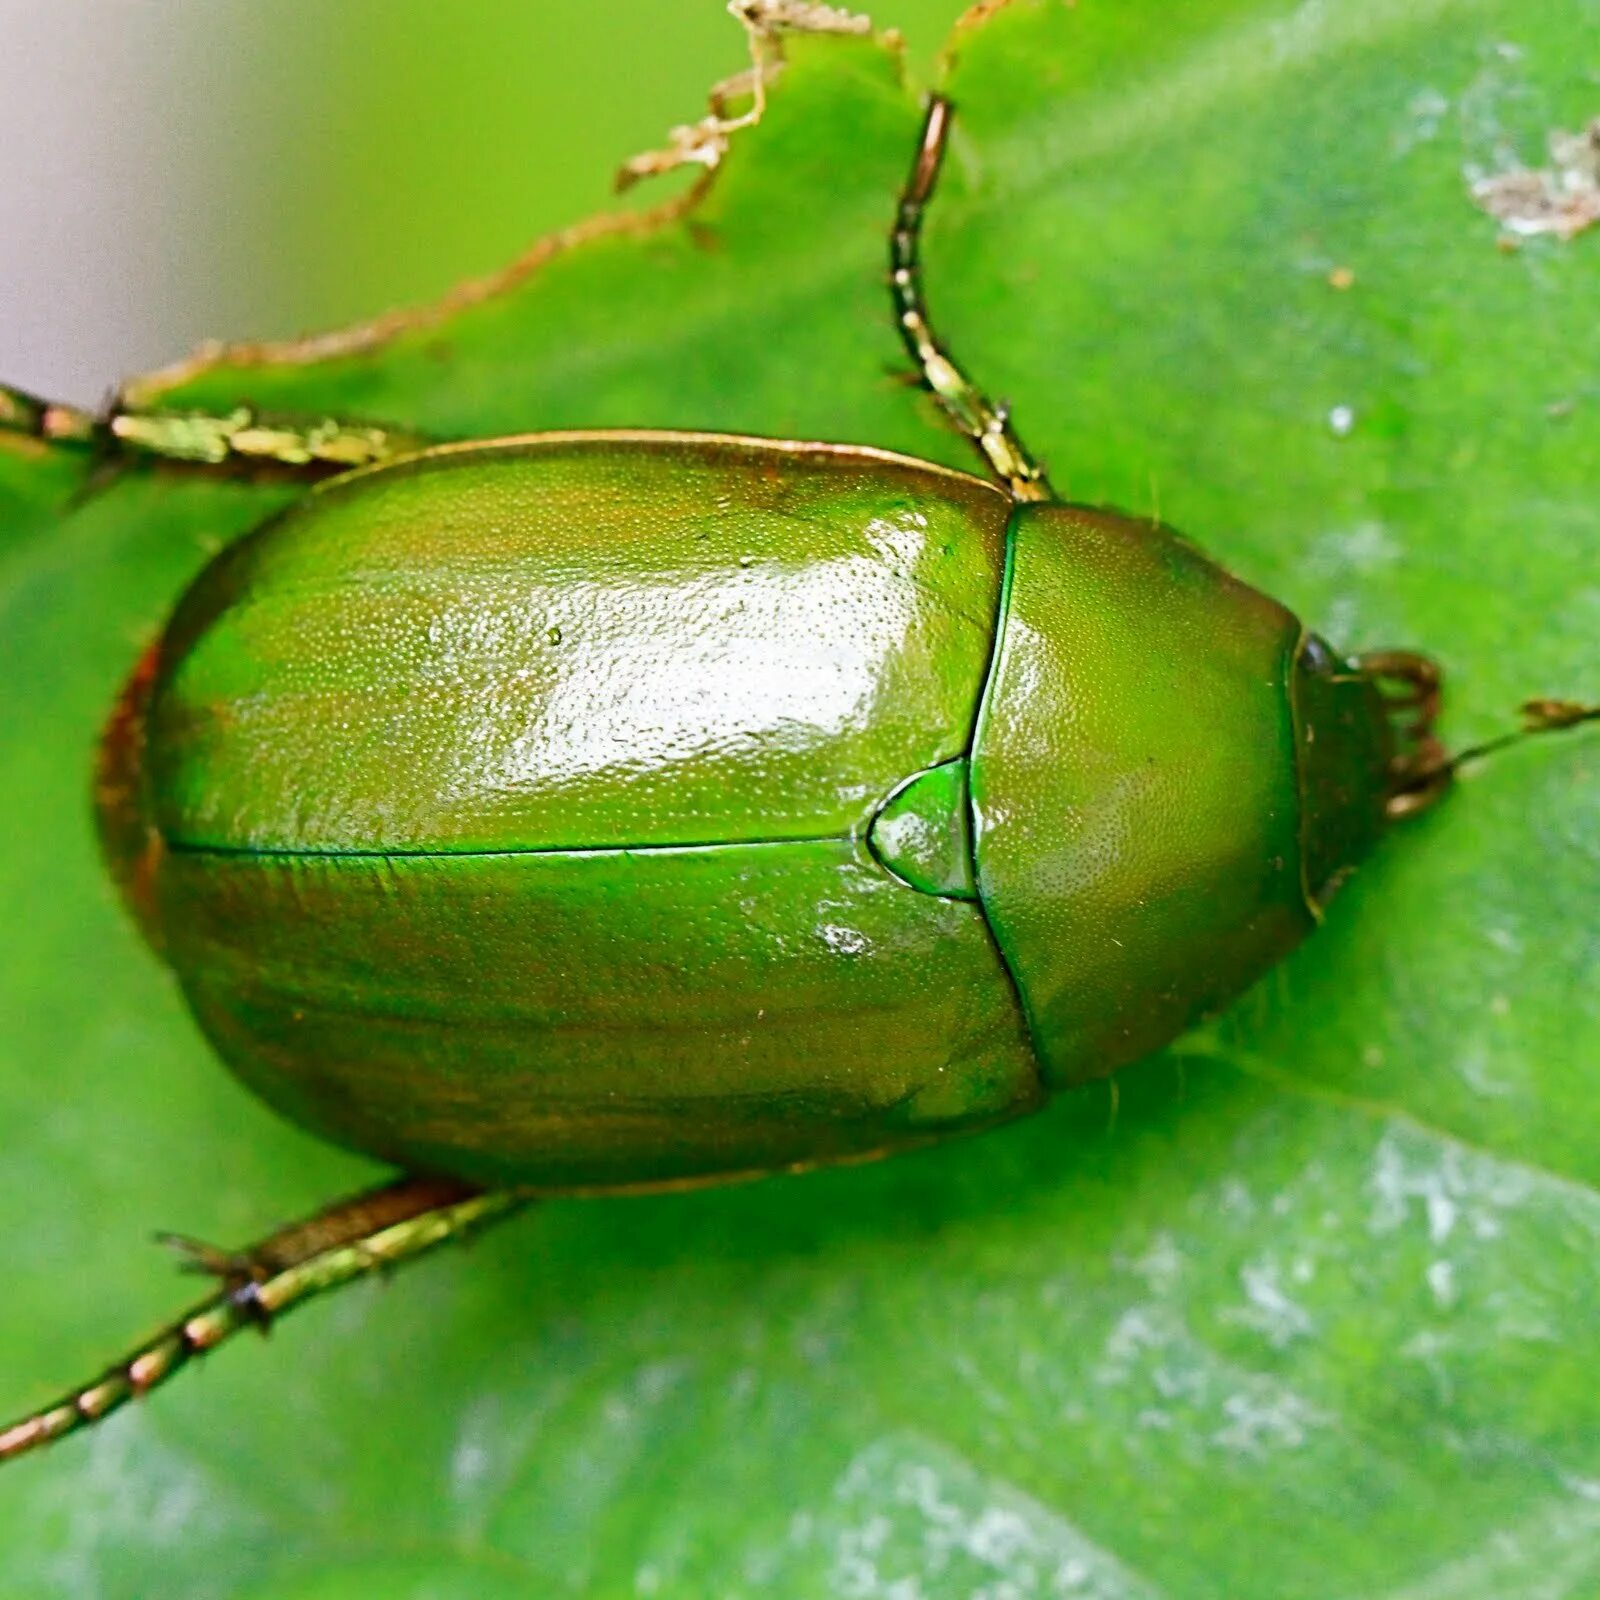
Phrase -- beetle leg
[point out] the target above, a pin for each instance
(379, 1229)
(986, 424)
(241, 437)
(245, 436)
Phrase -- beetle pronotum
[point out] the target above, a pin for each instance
(775, 868)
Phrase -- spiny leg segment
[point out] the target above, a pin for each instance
(987, 425)
(241, 437)
(379, 1229)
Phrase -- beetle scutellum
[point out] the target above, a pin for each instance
(702, 806)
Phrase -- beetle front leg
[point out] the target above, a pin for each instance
(986, 424)
(379, 1229)
(241, 437)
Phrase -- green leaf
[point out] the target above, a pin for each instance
(1312, 1309)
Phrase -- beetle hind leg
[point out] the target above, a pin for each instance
(987, 424)
(379, 1229)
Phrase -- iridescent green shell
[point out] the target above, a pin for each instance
(610, 810)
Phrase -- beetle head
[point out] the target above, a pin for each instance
(1368, 753)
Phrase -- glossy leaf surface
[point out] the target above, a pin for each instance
(1313, 1310)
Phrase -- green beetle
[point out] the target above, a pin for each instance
(615, 811)
(595, 812)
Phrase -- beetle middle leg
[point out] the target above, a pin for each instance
(986, 424)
